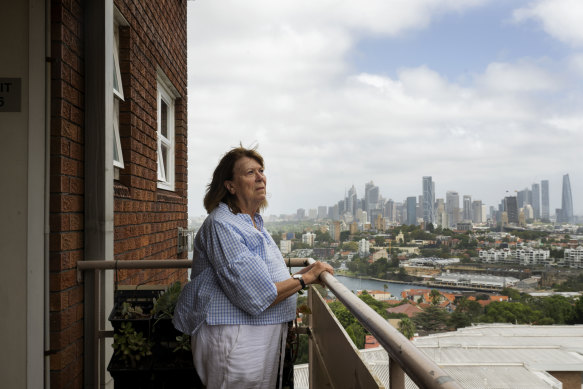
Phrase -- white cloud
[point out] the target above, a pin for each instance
(274, 73)
(560, 18)
(520, 77)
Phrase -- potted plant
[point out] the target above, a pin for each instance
(146, 342)
(131, 363)
(134, 306)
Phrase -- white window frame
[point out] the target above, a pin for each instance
(117, 92)
(166, 168)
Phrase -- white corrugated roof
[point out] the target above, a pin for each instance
(491, 356)
(543, 359)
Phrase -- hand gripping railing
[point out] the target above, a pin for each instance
(403, 355)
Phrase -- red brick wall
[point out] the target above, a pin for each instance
(569, 379)
(66, 195)
(146, 219)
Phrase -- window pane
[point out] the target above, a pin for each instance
(115, 80)
(161, 172)
(164, 118)
(115, 154)
(165, 157)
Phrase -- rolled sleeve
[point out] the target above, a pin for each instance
(242, 274)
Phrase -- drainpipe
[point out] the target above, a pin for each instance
(47, 230)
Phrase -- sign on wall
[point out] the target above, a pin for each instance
(10, 94)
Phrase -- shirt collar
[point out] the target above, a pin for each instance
(244, 216)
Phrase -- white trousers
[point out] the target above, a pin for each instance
(239, 356)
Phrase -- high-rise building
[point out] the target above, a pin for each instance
(363, 248)
(322, 211)
(335, 230)
(285, 246)
(545, 207)
(428, 200)
(566, 201)
(467, 208)
(411, 210)
(440, 213)
(312, 213)
(371, 197)
(511, 208)
(308, 238)
(452, 207)
(301, 214)
(351, 202)
(477, 211)
(390, 211)
(523, 197)
(536, 201)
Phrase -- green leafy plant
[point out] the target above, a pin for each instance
(131, 346)
(165, 304)
(183, 343)
(129, 311)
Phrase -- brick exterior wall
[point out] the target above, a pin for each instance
(569, 379)
(146, 218)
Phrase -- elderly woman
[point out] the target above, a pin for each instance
(241, 296)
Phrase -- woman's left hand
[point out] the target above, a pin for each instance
(311, 273)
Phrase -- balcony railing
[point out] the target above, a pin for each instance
(334, 360)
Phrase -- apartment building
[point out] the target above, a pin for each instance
(94, 122)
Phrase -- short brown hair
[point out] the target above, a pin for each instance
(216, 191)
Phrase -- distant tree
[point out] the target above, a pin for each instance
(578, 311)
(512, 294)
(323, 236)
(507, 312)
(407, 328)
(357, 334)
(342, 314)
(434, 296)
(482, 296)
(466, 313)
(344, 236)
(459, 320)
(351, 246)
(558, 308)
(431, 320)
(379, 241)
(556, 253)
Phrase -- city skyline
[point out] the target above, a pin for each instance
(482, 95)
(466, 203)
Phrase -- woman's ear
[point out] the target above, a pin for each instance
(229, 186)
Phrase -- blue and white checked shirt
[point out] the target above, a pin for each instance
(233, 278)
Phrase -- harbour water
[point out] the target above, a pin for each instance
(355, 284)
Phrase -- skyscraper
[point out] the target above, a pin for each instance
(545, 208)
(566, 201)
(536, 201)
(411, 210)
(428, 200)
(452, 206)
(371, 197)
(477, 211)
(467, 208)
(351, 203)
(511, 208)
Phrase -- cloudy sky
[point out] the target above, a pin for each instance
(485, 96)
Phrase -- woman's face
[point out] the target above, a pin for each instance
(248, 184)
